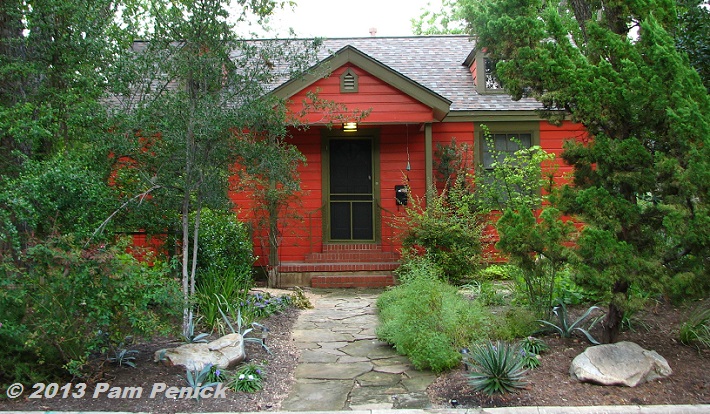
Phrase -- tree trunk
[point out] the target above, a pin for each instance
(615, 316)
(187, 309)
(273, 243)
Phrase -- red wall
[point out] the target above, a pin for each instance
(387, 104)
(398, 120)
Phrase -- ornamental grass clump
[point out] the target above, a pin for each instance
(496, 368)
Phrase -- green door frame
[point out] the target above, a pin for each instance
(374, 136)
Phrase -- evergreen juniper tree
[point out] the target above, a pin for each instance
(641, 180)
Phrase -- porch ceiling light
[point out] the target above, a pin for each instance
(349, 126)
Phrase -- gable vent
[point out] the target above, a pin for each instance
(348, 82)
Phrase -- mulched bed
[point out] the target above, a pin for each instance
(551, 384)
(279, 367)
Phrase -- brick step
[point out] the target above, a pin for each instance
(351, 281)
(293, 267)
(351, 247)
(352, 256)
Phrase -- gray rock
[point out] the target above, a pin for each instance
(622, 363)
(224, 352)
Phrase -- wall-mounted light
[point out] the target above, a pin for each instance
(349, 126)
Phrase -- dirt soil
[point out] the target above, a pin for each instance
(550, 384)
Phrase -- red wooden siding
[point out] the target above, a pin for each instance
(552, 139)
(297, 231)
(388, 104)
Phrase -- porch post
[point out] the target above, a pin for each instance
(428, 161)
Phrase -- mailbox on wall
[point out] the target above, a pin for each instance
(400, 194)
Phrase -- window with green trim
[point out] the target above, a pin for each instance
(496, 142)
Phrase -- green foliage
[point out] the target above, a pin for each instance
(191, 337)
(198, 380)
(696, 329)
(447, 232)
(569, 292)
(496, 368)
(413, 267)
(225, 245)
(641, 179)
(229, 286)
(216, 375)
(59, 196)
(448, 19)
(565, 328)
(498, 272)
(451, 161)
(260, 305)
(514, 180)
(534, 345)
(536, 246)
(517, 322)
(248, 378)
(429, 321)
(693, 34)
(55, 57)
(66, 303)
(123, 356)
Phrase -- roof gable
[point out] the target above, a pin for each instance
(351, 55)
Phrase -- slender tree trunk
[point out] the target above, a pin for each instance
(615, 316)
(195, 244)
(273, 242)
(187, 309)
(187, 280)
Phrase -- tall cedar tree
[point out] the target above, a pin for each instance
(641, 182)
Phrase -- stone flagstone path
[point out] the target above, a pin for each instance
(343, 366)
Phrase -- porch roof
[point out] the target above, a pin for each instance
(433, 63)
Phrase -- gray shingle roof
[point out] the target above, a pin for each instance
(435, 62)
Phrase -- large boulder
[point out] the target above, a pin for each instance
(622, 363)
(224, 353)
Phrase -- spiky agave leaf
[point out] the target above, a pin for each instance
(496, 368)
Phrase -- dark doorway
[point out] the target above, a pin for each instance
(350, 198)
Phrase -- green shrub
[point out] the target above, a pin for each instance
(67, 304)
(517, 322)
(224, 244)
(498, 272)
(30, 204)
(429, 321)
(414, 266)
(447, 232)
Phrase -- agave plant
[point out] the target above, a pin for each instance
(564, 328)
(245, 331)
(496, 368)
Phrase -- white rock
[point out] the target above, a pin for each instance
(622, 363)
(224, 352)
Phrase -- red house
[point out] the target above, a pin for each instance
(420, 91)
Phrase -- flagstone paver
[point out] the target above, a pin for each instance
(343, 366)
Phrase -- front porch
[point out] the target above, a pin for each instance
(347, 265)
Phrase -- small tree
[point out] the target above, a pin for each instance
(536, 243)
(198, 104)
